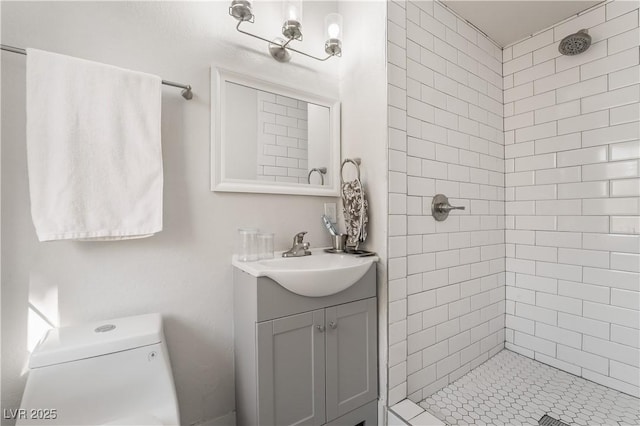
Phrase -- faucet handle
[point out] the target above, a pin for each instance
(299, 237)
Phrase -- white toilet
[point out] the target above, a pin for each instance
(114, 372)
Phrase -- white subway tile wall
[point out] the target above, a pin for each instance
(282, 139)
(447, 279)
(572, 198)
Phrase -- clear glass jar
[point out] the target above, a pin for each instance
(247, 244)
(265, 246)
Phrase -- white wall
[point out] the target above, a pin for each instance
(319, 135)
(571, 129)
(184, 272)
(446, 279)
(364, 134)
(242, 130)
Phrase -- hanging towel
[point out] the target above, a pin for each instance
(93, 149)
(354, 206)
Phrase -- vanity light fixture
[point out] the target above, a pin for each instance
(291, 29)
(333, 25)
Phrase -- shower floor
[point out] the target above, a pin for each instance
(510, 389)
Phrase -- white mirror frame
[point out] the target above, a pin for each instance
(221, 183)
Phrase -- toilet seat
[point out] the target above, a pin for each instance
(135, 420)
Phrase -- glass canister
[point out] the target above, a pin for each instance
(247, 245)
(265, 246)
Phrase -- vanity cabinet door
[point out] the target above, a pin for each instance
(351, 356)
(291, 370)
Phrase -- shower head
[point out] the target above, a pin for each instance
(574, 44)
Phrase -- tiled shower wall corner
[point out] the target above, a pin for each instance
(446, 279)
(572, 187)
(282, 138)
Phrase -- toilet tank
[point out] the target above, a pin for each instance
(108, 372)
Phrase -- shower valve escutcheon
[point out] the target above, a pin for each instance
(440, 207)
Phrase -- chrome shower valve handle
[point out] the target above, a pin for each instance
(440, 207)
(448, 207)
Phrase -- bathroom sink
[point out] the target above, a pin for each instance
(321, 274)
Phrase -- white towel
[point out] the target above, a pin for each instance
(93, 148)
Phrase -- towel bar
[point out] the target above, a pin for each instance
(186, 92)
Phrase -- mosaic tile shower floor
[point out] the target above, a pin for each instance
(510, 389)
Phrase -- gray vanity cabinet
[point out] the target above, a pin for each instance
(291, 370)
(352, 362)
(305, 360)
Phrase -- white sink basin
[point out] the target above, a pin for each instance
(321, 274)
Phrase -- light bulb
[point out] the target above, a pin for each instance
(333, 30)
(292, 10)
(333, 26)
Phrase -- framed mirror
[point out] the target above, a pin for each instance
(268, 138)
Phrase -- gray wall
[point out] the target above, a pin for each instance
(183, 272)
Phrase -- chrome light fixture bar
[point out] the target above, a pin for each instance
(279, 48)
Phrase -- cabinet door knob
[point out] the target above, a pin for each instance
(333, 325)
(320, 328)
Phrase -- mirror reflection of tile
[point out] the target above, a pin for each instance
(282, 139)
(286, 138)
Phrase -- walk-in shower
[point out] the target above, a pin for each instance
(524, 308)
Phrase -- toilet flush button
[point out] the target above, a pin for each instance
(105, 328)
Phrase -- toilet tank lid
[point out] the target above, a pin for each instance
(97, 338)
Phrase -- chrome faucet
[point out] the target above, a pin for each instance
(299, 248)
